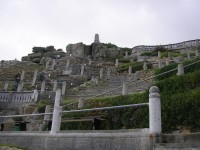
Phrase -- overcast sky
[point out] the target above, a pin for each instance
(126, 23)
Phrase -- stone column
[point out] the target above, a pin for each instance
(125, 89)
(167, 61)
(145, 66)
(64, 87)
(159, 54)
(55, 85)
(56, 120)
(169, 55)
(116, 63)
(43, 86)
(109, 73)
(101, 74)
(129, 70)
(188, 53)
(82, 69)
(5, 88)
(89, 62)
(154, 111)
(20, 87)
(34, 77)
(126, 54)
(160, 64)
(136, 76)
(53, 64)
(47, 63)
(197, 53)
(35, 95)
(96, 38)
(81, 103)
(22, 75)
(47, 110)
(180, 69)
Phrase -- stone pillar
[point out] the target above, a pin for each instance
(22, 75)
(109, 73)
(5, 88)
(64, 87)
(169, 55)
(126, 54)
(35, 95)
(96, 38)
(43, 86)
(129, 70)
(159, 54)
(47, 110)
(136, 76)
(101, 74)
(34, 77)
(81, 103)
(116, 63)
(82, 69)
(56, 120)
(89, 62)
(47, 63)
(197, 53)
(53, 64)
(145, 66)
(167, 61)
(180, 69)
(20, 87)
(160, 64)
(125, 89)
(154, 111)
(55, 85)
(188, 53)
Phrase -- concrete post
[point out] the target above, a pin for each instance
(20, 87)
(160, 64)
(159, 54)
(82, 69)
(145, 66)
(35, 95)
(188, 53)
(109, 73)
(34, 77)
(89, 62)
(47, 110)
(81, 103)
(116, 63)
(136, 75)
(55, 85)
(167, 61)
(42, 86)
(47, 63)
(129, 70)
(125, 89)
(64, 87)
(154, 111)
(56, 120)
(180, 69)
(5, 88)
(197, 53)
(126, 54)
(22, 75)
(101, 74)
(53, 64)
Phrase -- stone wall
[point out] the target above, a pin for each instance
(79, 140)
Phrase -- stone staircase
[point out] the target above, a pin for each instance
(179, 142)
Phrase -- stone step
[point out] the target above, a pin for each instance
(177, 146)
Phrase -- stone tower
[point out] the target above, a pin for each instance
(96, 38)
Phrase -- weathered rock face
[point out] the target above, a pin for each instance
(79, 50)
(40, 52)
